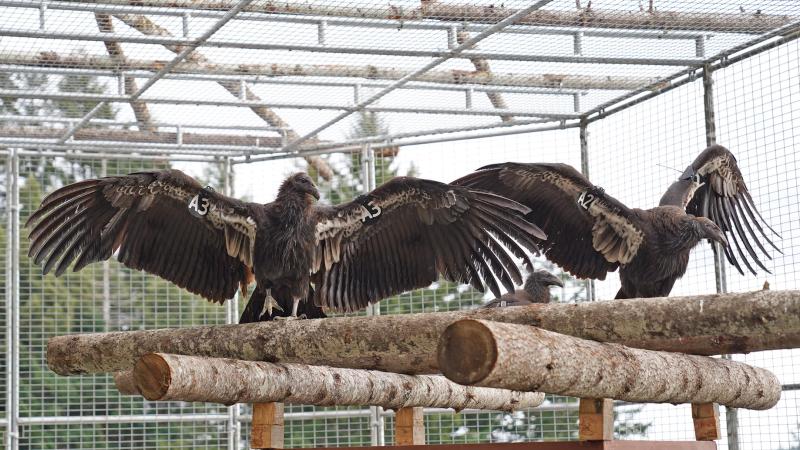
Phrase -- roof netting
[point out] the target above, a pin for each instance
(249, 77)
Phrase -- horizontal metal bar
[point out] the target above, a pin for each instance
(139, 418)
(408, 143)
(68, 120)
(354, 22)
(157, 40)
(139, 147)
(72, 154)
(289, 81)
(250, 104)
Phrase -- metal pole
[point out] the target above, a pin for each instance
(368, 182)
(106, 269)
(231, 316)
(584, 139)
(164, 70)
(12, 302)
(731, 414)
(436, 62)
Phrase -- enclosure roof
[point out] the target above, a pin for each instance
(255, 79)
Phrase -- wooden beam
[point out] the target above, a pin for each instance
(747, 22)
(267, 428)
(369, 72)
(568, 445)
(409, 426)
(705, 324)
(706, 421)
(596, 419)
(228, 381)
(525, 358)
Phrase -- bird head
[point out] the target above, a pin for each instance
(542, 278)
(300, 183)
(709, 230)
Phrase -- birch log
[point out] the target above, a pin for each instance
(370, 72)
(510, 356)
(195, 379)
(747, 22)
(707, 325)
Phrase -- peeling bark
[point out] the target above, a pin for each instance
(510, 356)
(755, 22)
(706, 325)
(196, 379)
(556, 81)
(148, 27)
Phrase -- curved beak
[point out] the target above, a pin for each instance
(551, 280)
(719, 237)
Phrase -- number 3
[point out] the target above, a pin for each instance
(199, 205)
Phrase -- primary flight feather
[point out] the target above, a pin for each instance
(591, 233)
(400, 236)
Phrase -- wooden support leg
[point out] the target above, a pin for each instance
(596, 419)
(409, 427)
(267, 429)
(706, 421)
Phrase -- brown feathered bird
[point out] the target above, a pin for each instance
(535, 290)
(400, 236)
(590, 233)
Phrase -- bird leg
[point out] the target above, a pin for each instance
(271, 303)
(295, 305)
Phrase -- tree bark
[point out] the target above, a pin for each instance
(454, 76)
(520, 357)
(706, 325)
(482, 65)
(749, 22)
(125, 383)
(161, 376)
(148, 27)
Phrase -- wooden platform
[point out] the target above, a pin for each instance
(572, 445)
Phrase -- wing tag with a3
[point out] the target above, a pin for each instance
(200, 203)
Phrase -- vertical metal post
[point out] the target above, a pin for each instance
(231, 316)
(368, 181)
(12, 303)
(106, 270)
(584, 138)
(731, 414)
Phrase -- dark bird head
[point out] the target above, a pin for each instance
(299, 183)
(538, 282)
(706, 229)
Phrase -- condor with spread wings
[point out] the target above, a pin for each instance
(398, 237)
(590, 233)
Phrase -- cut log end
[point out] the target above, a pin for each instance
(152, 376)
(467, 352)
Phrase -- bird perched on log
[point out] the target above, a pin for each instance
(535, 290)
(398, 237)
(591, 233)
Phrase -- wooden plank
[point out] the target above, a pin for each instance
(409, 426)
(267, 427)
(706, 421)
(570, 445)
(596, 419)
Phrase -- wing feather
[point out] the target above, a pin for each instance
(146, 216)
(408, 231)
(587, 241)
(713, 187)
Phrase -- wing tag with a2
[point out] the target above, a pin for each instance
(200, 203)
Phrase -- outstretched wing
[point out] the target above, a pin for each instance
(404, 233)
(713, 187)
(162, 222)
(589, 233)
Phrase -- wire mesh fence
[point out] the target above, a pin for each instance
(85, 92)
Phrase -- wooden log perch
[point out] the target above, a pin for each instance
(528, 358)
(706, 325)
(125, 383)
(195, 379)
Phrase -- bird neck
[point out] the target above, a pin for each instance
(297, 202)
(537, 292)
(689, 234)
